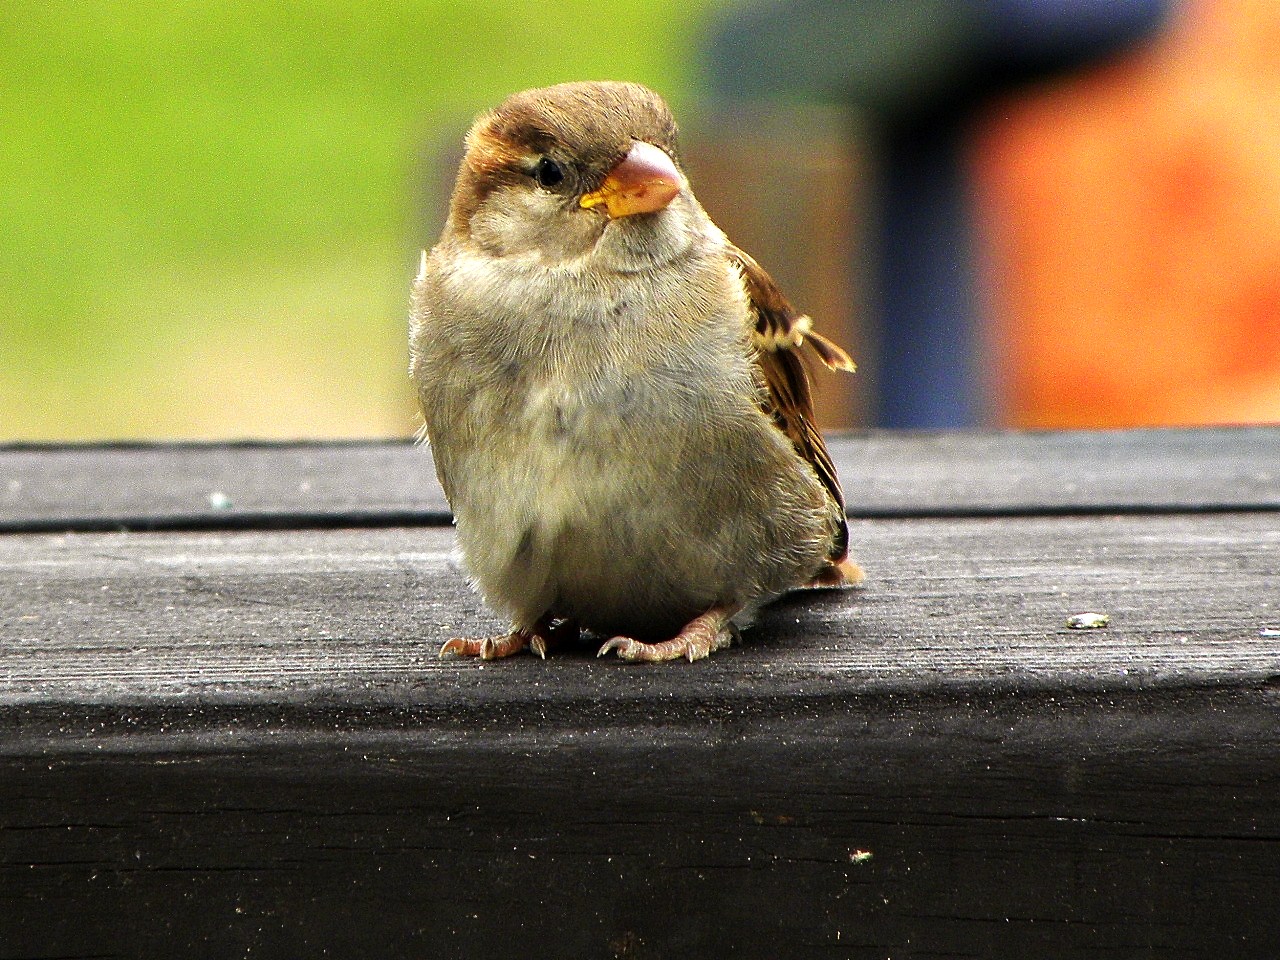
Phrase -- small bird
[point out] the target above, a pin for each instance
(613, 392)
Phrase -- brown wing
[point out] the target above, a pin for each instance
(778, 324)
(780, 333)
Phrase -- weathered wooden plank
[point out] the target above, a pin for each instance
(355, 617)
(1140, 824)
(885, 474)
(240, 742)
(216, 485)
(930, 474)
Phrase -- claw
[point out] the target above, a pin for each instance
(456, 646)
(701, 637)
(486, 648)
(621, 644)
(540, 638)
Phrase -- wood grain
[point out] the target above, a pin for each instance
(356, 617)
(884, 474)
(232, 736)
(1034, 826)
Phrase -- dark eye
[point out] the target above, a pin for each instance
(548, 173)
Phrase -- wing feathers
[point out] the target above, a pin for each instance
(779, 334)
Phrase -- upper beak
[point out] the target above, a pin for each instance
(643, 181)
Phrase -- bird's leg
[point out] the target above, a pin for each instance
(544, 634)
(837, 576)
(701, 637)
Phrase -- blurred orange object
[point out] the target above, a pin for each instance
(1131, 221)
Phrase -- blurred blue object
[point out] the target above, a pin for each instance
(916, 69)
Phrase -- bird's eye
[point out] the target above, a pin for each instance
(548, 173)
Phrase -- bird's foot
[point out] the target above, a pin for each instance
(487, 648)
(701, 637)
(837, 576)
(546, 634)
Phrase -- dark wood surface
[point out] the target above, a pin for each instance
(885, 475)
(226, 732)
(357, 616)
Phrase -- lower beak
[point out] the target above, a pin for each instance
(644, 181)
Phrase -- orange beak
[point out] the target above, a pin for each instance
(644, 181)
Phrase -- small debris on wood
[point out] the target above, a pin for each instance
(1087, 621)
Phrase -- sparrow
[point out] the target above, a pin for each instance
(615, 396)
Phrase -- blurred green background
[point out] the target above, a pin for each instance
(210, 212)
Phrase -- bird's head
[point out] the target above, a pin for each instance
(577, 170)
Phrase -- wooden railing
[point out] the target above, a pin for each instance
(224, 729)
